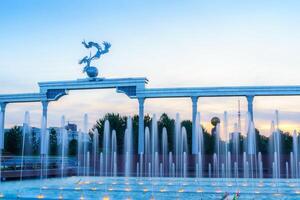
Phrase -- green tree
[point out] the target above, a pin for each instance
(13, 141)
(208, 142)
(287, 142)
(73, 147)
(262, 142)
(117, 123)
(135, 127)
(135, 132)
(147, 121)
(169, 124)
(188, 126)
(53, 145)
(35, 141)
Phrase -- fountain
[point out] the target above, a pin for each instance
(161, 171)
(183, 152)
(128, 148)
(114, 163)
(177, 139)
(200, 148)
(294, 157)
(164, 151)
(147, 151)
(154, 146)
(25, 142)
(95, 149)
(85, 143)
(63, 145)
(44, 149)
(79, 153)
(106, 147)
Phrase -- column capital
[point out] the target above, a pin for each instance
(194, 99)
(45, 105)
(3, 106)
(141, 100)
(250, 106)
(250, 98)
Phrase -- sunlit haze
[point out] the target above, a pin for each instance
(172, 43)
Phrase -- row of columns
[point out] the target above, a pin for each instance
(2, 122)
(141, 138)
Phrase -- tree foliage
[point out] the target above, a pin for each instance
(13, 137)
(53, 143)
(13, 141)
(117, 123)
(168, 123)
(73, 147)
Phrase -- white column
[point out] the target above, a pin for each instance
(194, 134)
(141, 144)
(44, 127)
(2, 122)
(250, 99)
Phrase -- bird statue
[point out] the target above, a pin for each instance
(92, 71)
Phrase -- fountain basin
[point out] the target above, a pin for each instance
(157, 188)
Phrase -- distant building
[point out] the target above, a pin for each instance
(72, 131)
(70, 127)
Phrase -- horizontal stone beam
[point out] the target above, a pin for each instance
(219, 91)
(97, 83)
(22, 98)
(135, 88)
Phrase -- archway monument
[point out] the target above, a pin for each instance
(134, 88)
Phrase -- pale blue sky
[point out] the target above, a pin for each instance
(172, 43)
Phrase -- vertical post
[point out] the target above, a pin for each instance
(250, 106)
(2, 122)
(45, 110)
(43, 145)
(44, 127)
(141, 138)
(141, 145)
(194, 128)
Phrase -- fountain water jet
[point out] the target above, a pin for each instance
(147, 149)
(25, 135)
(200, 148)
(63, 145)
(183, 151)
(154, 145)
(177, 139)
(114, 153)
(106, 146)
(85, 142)
(128, 148)
(294, 165)
(164, 150)
(95, 148)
